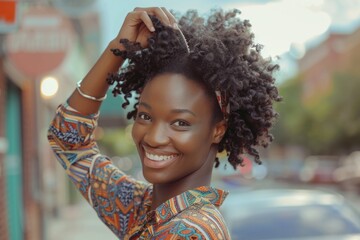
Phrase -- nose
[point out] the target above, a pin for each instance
(157, 135)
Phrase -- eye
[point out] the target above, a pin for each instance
(143, 116)
(181, 123)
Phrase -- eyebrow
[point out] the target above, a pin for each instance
(145, 105)
(173, 110)
(183, 111)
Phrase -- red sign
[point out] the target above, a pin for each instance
(7, 16)
(7, 11)
(44, 38)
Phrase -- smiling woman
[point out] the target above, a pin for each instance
(201, 88)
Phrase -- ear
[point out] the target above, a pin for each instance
(219, 131)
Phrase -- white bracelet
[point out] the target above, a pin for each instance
(78, 85)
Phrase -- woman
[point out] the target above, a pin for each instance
(203, 90)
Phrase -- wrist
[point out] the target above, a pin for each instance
(115, 44)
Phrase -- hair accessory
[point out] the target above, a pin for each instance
(186, 43)
(78, 85)
(223, 103)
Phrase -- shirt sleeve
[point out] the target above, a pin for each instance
(116, 197)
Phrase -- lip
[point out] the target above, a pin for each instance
(159, 164)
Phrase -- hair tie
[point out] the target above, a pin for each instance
(224, 103)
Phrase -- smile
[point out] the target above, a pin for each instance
(158, 161)
(155, 157)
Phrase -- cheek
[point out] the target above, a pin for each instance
(191, 141)
(136, 133)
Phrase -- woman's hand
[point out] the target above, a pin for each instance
(138, 26)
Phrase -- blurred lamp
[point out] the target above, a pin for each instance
(49, 87)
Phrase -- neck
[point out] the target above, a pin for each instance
(202, 177)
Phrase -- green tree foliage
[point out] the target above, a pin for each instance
(328, 125)
(292, 115)
(346, 109)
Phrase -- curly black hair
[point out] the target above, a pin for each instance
(219, 52)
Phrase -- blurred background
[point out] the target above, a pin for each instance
(309, 182)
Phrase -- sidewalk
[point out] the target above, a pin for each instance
(78, 222)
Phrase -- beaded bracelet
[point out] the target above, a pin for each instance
(78, 85)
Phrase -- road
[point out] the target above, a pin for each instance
(78, 222)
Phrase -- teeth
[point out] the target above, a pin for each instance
(159, 157)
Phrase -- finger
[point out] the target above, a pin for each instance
(158, 12)
(171, 17)
(144, 16)
(162, 15)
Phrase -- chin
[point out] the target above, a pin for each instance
(154, 177)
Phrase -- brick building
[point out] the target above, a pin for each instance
(31, 186)
(318, 64)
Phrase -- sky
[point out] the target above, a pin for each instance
(286, 28)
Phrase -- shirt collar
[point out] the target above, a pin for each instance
(177, 204)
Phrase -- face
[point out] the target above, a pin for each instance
(173, 130)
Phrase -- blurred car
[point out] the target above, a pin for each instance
(319, 169)
(348, 174)
(290, 214)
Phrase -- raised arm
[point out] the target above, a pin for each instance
(137, 27)
(116, 198)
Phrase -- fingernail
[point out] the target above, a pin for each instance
(175, 25)
(152, 29)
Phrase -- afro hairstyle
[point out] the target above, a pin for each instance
(219, 51)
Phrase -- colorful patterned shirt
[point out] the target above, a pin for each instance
(123, 203)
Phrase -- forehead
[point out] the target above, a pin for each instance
(175, 91)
